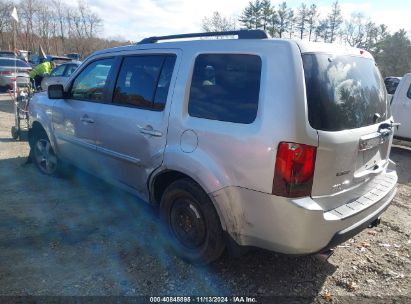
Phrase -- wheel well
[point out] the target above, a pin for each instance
(35, 129)
(162, 181)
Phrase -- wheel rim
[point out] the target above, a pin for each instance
(187, 223)
(45, 157)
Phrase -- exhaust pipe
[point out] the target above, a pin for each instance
(325, 255)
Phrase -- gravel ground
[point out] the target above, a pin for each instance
(80, 237)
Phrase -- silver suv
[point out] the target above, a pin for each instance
(269, 143)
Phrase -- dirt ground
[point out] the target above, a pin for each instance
(81, 237)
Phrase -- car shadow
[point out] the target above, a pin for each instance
(80, 231)
(401, 155)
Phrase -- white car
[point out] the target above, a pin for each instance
(59, 75)
(401, 107)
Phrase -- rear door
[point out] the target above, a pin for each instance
(132, 129)
(347, 105)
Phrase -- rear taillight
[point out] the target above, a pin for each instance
(294, 170)
(5, 73)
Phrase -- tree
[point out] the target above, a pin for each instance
(394, 54)
(283, 13)
(291, 23)
(353, 31)
(312, 17)
(302, 19)
(266, 14)
(322, 30)
(252, 16)
(218, 23)
(335, 20)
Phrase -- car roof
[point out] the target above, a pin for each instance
(304, 46)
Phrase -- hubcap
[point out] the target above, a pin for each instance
(187, 223)
(45, 157)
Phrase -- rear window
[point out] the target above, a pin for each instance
(225, 87)
(343, 92)
(11, 62)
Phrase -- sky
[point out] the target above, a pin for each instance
(135, 19)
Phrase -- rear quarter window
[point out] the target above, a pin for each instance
(225, 87)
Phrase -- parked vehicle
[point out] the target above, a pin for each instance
(391, 84)
(8, 69)
(273, 143)
(8, 54)
(59, 75)
(401, 107)
(73, 56)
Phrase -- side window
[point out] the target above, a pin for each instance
(225, 87)
(58, 71)
(163, 84)
(137, 80)
(409, 92)
(70, 69)
(90, 83)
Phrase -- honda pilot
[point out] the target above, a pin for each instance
(257, 142)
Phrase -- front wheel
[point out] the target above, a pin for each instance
(192, 222)
(44, 156)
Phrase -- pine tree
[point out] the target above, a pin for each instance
(283, 18)
(312, 17)
(302, 19)
(334, 21)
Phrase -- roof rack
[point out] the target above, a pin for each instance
(242, 34)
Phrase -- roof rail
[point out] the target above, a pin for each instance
(242, 34)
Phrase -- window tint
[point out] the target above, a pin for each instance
(137, 80)
(58, 71)
(163, 85)
(343, 92)
(409, 92)
(225, 87)
(89, 84)
(70, 69)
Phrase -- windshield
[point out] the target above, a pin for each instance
(343, 92)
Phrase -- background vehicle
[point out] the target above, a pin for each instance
(8, 54)
(73, 56)
(401, 107)
(7, 72)
(59, 75)
(273, 143)
(391, 84)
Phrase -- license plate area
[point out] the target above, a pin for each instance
(373, 149)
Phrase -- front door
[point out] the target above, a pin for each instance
(75, 118)
(131, 133)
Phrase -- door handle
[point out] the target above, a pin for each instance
(86, 119)
(150, 131)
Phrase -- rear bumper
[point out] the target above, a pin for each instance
(294, 226)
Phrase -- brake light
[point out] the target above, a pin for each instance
(5, 73)
(294, 170)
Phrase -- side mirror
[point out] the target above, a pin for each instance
(55, 91)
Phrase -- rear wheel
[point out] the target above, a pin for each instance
(43, 155)
(192, 222)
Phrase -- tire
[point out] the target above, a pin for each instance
(15, 134)
(192, 222)
(43, 155)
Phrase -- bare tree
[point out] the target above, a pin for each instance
(218, 23)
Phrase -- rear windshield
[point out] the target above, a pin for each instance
(11, 62)
(343, 92)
